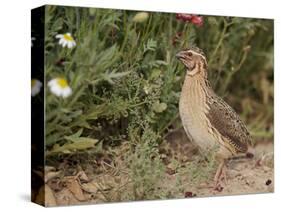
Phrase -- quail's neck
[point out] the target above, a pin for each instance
(197, 77)
(197, 70)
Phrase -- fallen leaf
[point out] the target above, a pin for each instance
(75, 188)
(55, 184)
(91, 187)
(83, 177)
(50, 199)
(49, 168)
(51, 175)
(65, 197)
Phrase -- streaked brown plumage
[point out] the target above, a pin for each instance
(207, 119)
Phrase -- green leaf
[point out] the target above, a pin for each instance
(149, 46)
(75, 135)
(95, 111)
(110, 76)
(81, 139)
(159, 107)
(78, 144)
(155, 74)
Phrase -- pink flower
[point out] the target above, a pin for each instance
(184, 17)
(189, 18)
(197, 20)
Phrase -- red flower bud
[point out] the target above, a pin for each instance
(183, 17)
(178, 16)
(197, 20)
(176, 38)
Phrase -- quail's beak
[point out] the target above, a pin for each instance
(180, 55)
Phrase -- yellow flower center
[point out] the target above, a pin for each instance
(62, 82)
(67, 37)
(33, 82)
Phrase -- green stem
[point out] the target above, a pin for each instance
(169, 123)
(77, 18)
(219, 43)
(146, 31)
(231, 73)
(126, 26)
(138, 104)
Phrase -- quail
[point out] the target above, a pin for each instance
(207, 119)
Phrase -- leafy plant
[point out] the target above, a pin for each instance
(126, 81)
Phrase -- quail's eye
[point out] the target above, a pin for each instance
(189, 54)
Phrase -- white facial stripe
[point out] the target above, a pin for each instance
(194, 71)
(185, 63)
(196, 53)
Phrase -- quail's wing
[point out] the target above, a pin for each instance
(227, 122)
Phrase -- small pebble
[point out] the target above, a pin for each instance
(268, 182)
(189, 194)
(219, 188)
(249, 155)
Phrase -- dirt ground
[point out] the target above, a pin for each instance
(244, 176)
(101, 181)
(248, 176)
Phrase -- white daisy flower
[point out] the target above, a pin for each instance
(66, 40)
(32, 39)
(35, 87)
(60, 87)
(146, 89)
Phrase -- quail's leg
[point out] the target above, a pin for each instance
(221, 158)
(220, 171)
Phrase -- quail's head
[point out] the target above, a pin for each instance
(190, 57)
